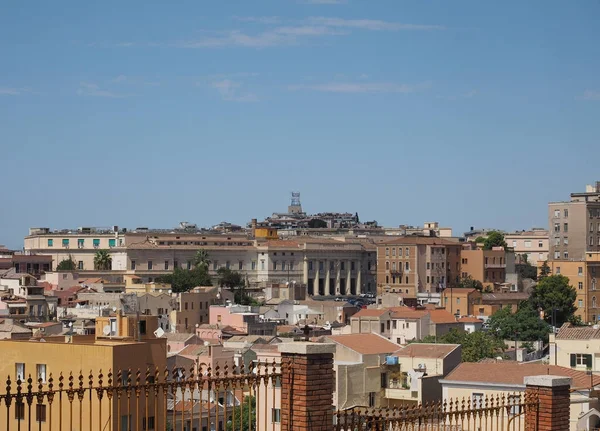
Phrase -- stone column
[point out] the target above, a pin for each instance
(327, 275)
(359, 288)
(317, 275)
(307, 386)
(305, 272)
(338, 276)
(348, 277)
(552, 412)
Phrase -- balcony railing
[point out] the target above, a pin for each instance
(232, 398)
(495, 265)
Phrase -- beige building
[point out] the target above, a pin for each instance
(576, 347)
(407, 266)
(575, 225)
(475, 382)
(413, 373)
(326, 266)
(461, 301)
(535, 244)
(360, 378)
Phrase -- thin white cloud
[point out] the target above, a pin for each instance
(232, 91)
(371, 24)
(93, 90)
(470, 94)
(591, 95)
(258, 19)
(15, 91)
(361, 87)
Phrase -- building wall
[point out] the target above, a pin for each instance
(535, 244)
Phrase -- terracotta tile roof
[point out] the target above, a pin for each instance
(371, 312)
(470, 319)
(513, 373)
(424, 350)
(194, 350)
(407, 313)
(282, 244)
(413, 240)
(441, 316)
(492, 298)
(570, 332)
(365, 344)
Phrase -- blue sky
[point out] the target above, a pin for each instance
(149, 113)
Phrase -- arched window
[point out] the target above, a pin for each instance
(593, 302)
(387, 266)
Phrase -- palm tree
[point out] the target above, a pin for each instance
(102, 260)
(201, 259)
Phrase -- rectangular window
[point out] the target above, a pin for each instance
(558, 269)
(371, 399)
(291, 266)
(343, 266)
(276, 415)
(399, 251)
(96, 243)
(19, 371)
(65, 242)
(566, 213)
(393, 252)
(253, 265)
(581, 360)
(80, 265)
(556, 227)
(566, 241)
(80, 243)
(556, 213)
(476, 400)
(40, 413)
(428, 265)
(227, 264)
(514, 243)
(112, 242)
(383, 379)
(407, 252)
(351, 266)
(148, 426)
(407, 266)
(40, 372)
(566, 254)
(580, 286)
(275, 266)
(20, 410)
(566, 227)
(50, 242)
(240, 265)
(387, 251)
(310, 265)
(580, 303)
(166, 265)
(528, 244)
(149, 265)
(262, 264)
(580, 271)
(215, 265)
(133, 265)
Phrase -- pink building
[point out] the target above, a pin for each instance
(235, 316)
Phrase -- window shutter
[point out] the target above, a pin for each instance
(588, 361)
(573, 360)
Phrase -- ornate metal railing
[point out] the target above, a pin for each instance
(485, 413)
(201, 399)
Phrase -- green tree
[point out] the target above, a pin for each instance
(524, 324)
(556, 297)
(526, 270)
(479, 240)
(243, 417)
(230, 279)
(102, 260)
(494, 239)
(317, 224)
(67, 264)
(544, 271)
(201, 259)
(468, 282)
(182, 280)
(475, 346)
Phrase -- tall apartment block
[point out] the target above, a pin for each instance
(575, 225)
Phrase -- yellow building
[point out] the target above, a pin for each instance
(125, 343)
(583, 276)
(134, 284)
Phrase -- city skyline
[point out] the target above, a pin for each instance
(149, 114)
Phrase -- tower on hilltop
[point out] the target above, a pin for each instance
(295, 205)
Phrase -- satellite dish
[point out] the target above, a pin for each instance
(70, 324)
(197, 325)
(207, 343)
(159, 290)
(170, 291)
(159, 333)
(106, 330)
(114, 309)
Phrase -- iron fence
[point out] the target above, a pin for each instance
(203, 398)
(502, 412)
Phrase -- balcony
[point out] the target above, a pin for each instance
(495, 265)
(399, 391)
